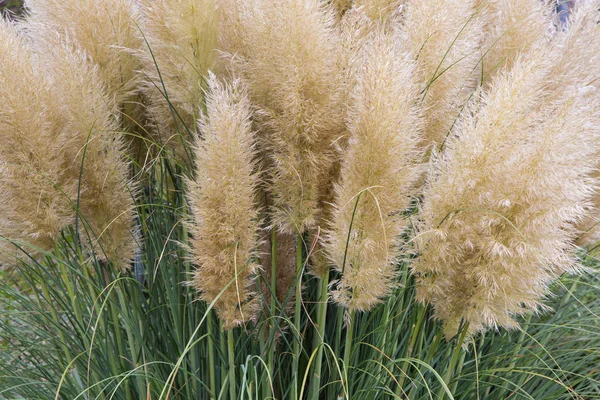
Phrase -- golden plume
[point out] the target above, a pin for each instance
(222, 198)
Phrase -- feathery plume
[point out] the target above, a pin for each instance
(378, 174)
(499, 207)
(513, 27)
(181, 39)
(291, 61)
(106, 30)
(379, 10)
(341, 6)
(95, 150)
(222, 200)
(66, 150)
(444, 37)
(35, 190)
(580, 44)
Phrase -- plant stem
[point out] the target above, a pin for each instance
(211, 357)
(298, 340)
(231, 353)
(273, 311)
(319, 338)
(348, 350)
(453, 361)
(416, 329)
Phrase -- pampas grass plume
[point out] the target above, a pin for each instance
(444, 37)
(181, 39)
(291, 61)
(378, 174)
(66, 118)
(33, 208)
(499, 207)
(106, 30)
(93, 147)
(222, 200)
(513, 27)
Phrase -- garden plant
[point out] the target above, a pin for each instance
(300, 199)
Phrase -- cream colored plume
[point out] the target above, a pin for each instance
(292, 63)
(513, 27)
(95, 150)
(499, 207)
(181, 37)
(106, 30)
(378, 173)
(65, 150)
(32, 182)
(444, 37)
(380, 10)
(222, 198)
(580, 44)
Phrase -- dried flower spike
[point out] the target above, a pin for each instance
(222, 200)
(378, 173)
(181, 38)
(499, 208)
(291, 61)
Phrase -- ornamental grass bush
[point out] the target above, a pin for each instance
(300, 199)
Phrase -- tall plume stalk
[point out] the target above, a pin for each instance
(181, 38)
(68, 154)
(291, 61)
(444, 37)
(378, 174)
(222, 200)
(498, 214)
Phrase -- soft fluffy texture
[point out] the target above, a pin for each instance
(512, 27)
(107, 32)
(222, 199)
(33, 208)
(382, 164)
(292, 63)
(181, 36)
(444, 37)
(498, 211)
(65, 149)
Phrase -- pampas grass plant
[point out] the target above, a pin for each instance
(338, 200)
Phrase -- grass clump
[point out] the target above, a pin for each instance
(299, 200)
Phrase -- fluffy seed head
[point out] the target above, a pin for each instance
(33, 208)
(378, 173)
(444, 37)
(380, 10)
(512, 27)
(106, 30)
(222, 200)
(181, 37)
(94, 148)
(56, 116)
(498, 210)
(291, 62)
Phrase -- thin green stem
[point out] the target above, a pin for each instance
(456, 354)
(231, 354)
(298, 308)
(319, 338)
(211, 356)
(348, 350)
(416, 330)
(273, 311)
